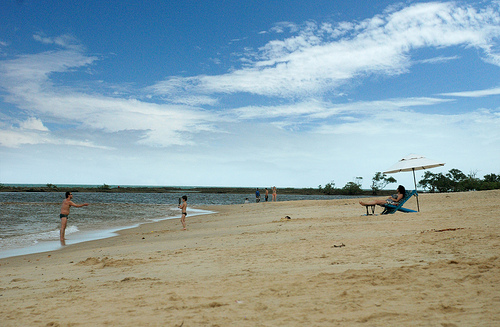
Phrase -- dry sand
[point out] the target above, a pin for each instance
(246, 266)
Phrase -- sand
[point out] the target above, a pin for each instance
(248, 266)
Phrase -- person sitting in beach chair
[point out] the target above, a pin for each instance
(392, 208)
(393, 200)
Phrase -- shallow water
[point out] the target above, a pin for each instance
(29, 221)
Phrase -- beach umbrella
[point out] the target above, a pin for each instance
(413, 162)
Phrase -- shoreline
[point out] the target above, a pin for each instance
(181, 190)
(43, 246)
(247, 265)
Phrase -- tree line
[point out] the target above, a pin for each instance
(453, 181)
(457, 181)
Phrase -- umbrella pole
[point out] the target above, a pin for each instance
(415, 181)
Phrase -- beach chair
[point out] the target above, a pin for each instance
(390, 208)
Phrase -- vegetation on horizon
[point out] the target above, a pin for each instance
(457, 181)
(379, 181)
(453, 181)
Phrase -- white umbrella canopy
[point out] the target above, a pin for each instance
(413, 162)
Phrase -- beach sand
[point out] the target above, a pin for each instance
(248, 266)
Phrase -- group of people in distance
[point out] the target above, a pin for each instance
(257, 195)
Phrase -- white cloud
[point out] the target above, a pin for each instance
(194, 101)
(311, 63)
(160, 125)
(33, 123)
(438, 60)
(65, 41)
(474, 94)
(27, 80)
(28, 75)
(481, 123)
(281, 27)
(15, 137)
(319, 110)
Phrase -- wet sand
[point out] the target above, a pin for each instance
(247, 265)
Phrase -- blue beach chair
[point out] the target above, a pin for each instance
(390, 208)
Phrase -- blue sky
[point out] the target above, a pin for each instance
(245, 93)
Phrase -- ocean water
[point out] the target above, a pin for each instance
(30, 223)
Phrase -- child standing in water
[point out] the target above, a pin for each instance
(183, 207)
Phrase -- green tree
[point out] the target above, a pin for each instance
(379, 181)
(428, 181)
(456, 180)
(329, 188)
(492, 178)
(471, 182)
(353, 188)
(443, 183)
(490, 182)
(435, 182)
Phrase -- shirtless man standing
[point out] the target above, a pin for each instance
(67, 203)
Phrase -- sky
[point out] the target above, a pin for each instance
(245, 93)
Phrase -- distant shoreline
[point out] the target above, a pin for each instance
(173, 189)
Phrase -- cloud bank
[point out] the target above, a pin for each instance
(321, 58)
